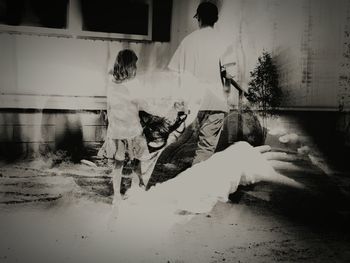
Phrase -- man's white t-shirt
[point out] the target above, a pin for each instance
(199, 54)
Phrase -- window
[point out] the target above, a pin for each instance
(106, 19)
(124, 17)
(37, 13)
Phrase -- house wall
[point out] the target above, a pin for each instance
(50, 84)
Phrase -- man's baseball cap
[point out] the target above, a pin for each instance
(206, 9)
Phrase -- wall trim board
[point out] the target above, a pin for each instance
(66, 103)
(56, 102)
(85, 36)
(45, 111)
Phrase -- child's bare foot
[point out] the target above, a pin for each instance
(113, 216)
(116, 199)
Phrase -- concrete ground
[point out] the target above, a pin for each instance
(61, 213)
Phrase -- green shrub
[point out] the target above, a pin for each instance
(264, 91)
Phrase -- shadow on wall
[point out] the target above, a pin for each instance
(10, 147)
(323, 134)
(330, 131)
(31, 133)
(69, 136)
(26, 134)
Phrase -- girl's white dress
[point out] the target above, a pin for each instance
(124, 133)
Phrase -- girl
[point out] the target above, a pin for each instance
(124, 143)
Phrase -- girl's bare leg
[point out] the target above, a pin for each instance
(116, 179)
(138, 175)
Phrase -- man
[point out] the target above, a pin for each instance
(199, 54)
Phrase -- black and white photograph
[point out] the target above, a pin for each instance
(174, 131)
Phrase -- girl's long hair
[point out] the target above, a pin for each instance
(125, 65)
